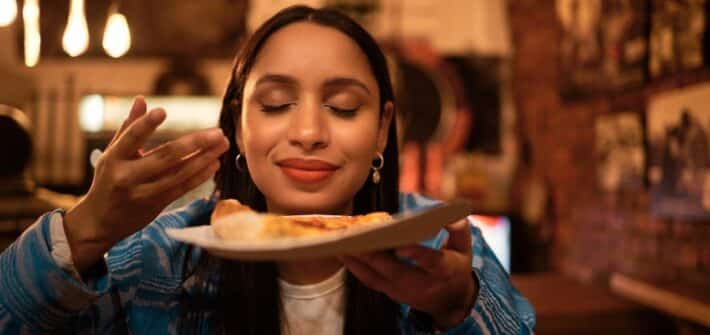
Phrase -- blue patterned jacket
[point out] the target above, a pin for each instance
(145, 275)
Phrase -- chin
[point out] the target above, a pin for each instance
(310, 203)
(332, 197)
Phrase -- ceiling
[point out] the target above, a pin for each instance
(159, 28)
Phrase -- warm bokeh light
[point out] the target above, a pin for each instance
(76, 36)
(33, 41)
(106, 113)
(8, 12)
(117, 36)
(91, 113)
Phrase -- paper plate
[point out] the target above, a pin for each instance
(403, 230)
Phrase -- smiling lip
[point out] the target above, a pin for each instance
(307, 170)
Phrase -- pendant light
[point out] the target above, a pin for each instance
(75, 40)
(117, 35)
(8, 12)
(30, 17)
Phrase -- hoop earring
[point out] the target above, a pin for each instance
(376, 178)
(243, 167)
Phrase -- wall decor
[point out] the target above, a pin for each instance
(678, 29)
(678, 129)
(603, 45)
(620, 152)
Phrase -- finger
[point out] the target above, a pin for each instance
(459, 236)
(138, 109)
(174, 153)
(392, 269)
(430, 260)
(440, 264)
(190, 167)
(365, 274)
(133, 138)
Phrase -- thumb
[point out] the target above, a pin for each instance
(459, 236)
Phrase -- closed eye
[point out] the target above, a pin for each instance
(275, 108)
(343, 112)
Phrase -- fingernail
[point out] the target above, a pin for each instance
(156, 115)
(215, 134)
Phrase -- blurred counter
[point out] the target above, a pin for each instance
(564, 305)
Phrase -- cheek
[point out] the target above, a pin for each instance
(358, 142)
(259, 137)
(259, 134)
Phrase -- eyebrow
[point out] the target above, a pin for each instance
(287, 80)
(276, 78)
(346, 81)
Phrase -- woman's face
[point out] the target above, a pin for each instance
(310, 124)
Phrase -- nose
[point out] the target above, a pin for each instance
(308, 128)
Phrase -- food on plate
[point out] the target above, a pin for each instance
(233, 221)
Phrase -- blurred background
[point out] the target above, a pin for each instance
(579, 128)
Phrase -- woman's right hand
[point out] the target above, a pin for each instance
(131, 187)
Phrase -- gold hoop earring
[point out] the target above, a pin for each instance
(376, 167)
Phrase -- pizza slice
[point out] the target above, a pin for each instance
(233, 221)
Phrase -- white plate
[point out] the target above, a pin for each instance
(403, 230)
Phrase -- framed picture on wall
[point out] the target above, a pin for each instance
(678, 129)
(620, 152)
(678, 36)
(603, 45)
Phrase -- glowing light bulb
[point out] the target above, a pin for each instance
(117, 36)
(76, 35)
(8, 12)
(33, 41)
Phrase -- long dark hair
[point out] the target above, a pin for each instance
(245, 295)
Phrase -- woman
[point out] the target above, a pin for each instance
(306, 127)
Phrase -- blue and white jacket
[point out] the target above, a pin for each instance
(144, 277)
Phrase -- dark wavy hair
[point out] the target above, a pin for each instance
(243, 297)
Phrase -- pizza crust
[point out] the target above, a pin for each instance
(233, 221)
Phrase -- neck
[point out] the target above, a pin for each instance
(308, 271)
(312, 271)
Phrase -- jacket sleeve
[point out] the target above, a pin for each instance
(498, 309)
(39, 296)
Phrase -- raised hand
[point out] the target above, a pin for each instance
(440, 284)
(131, 187)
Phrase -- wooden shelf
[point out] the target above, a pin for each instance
(678, 299)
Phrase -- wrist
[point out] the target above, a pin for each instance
(450, 320)
(455, 315)
(86, 240)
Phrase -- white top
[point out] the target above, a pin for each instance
(60, 246)
(316, 308)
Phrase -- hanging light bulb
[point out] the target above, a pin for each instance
(76, 35)
(8, 12)
(117, 36)
(30, 16)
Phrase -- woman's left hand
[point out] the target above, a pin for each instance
(440, 283)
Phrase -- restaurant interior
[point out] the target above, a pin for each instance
(546, 115)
